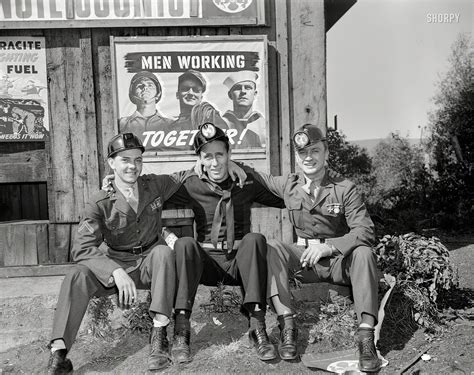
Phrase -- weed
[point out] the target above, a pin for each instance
(99, 310)
(138, 316)
(223, 300)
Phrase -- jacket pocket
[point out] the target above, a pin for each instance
(295, 212)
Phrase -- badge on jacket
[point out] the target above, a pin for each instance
(156, 204)
(334, 208)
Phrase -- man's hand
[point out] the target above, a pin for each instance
(314, 253)
(127, 292)
(107, 183)
(198, 168)
(236, 172)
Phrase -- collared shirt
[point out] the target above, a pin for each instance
(253, 122)
(110, 226)
(337, 213)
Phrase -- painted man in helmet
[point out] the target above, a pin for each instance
(118, 248)
(193, 110)
(145, 92)
(335, 238)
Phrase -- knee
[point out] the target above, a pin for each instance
(363, 254)
(258, 240)
(185, 244)
(78, 274)
(162, 254)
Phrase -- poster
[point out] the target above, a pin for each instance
(23, 89)
(166, 87)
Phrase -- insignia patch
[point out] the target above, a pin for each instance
(156, 204)
(85, 226)
(334, 208)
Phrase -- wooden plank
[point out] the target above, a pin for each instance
(106, 126)
(267, 221)
(32, 271)
(308, 65)
(73, 125)
(26, 166)
(20, 244)
(59, 243)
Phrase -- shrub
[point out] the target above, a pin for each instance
(423, 271)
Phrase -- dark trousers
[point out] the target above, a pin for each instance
(358, 270)
(246, 266)
(157, 272)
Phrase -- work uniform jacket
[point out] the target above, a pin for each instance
(110, 226)
(204, 196)
(337, 214)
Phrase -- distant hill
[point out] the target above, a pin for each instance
(371, 144)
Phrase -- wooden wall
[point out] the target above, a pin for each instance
(81, 109)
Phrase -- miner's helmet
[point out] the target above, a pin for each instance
(207, 133)
(136, 79)
(124, 141)
(307, 135)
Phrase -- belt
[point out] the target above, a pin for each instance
(310, 241)
(221, 245)
(138, 250)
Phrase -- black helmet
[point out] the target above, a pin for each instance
(137, 78)
(307, 135)
(124, 141)
(208, 132)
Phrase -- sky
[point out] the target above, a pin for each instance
(384, 58)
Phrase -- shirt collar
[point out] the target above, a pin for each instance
(123, 187)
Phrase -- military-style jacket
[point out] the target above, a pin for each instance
(110, 226)
(336, 214)
(203, 196)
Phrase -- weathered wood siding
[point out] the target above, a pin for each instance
(81, 109)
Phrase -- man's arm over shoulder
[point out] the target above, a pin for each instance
(168, 185)
(361, 227)
(274, 184)
(89, 237)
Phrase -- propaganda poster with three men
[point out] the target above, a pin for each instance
(166, 87)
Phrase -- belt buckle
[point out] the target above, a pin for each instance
(137, 250)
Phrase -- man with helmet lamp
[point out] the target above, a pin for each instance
(145, 92)
(118, 248)
(225, 250)
(335, 237)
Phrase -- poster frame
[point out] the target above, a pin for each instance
(258, 158)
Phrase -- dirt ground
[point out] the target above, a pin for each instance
(220, 345)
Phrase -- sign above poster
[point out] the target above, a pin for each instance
(134, 13)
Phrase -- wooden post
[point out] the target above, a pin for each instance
(307, 43)
(74, 167)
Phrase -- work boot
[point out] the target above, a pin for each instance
(159, 349)
(287, 346)
(181, 353)
(368, 358)
(265, 349)
(58, 364)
